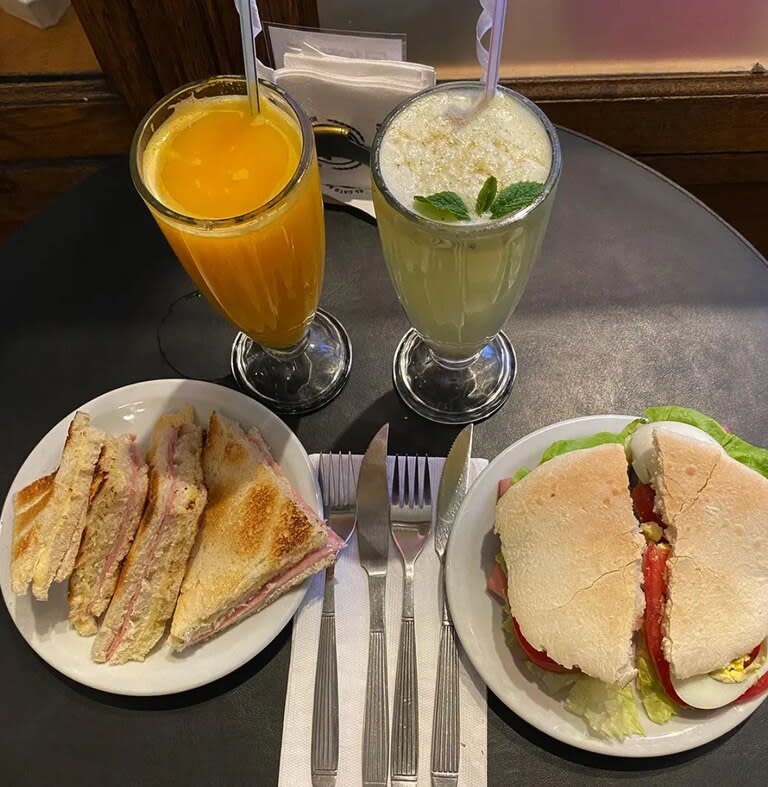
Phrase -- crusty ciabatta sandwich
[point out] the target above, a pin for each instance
(706, 575)
(150, 578)
(257, 538)
(50, 513)
(118, 494)
(573, 552)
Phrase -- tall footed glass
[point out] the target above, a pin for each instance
(238, 199)
(458, 280)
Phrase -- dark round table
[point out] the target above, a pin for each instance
(641, 296)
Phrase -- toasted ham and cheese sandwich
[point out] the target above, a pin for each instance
(573, 552)
(118, 494)
(150, 578)
(257, 538)
(50, 513)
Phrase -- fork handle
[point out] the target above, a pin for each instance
(405, 722)
(325, 713)
(376, 722)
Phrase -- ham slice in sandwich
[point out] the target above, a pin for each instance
(257, 538)
(50, 513)
(118, 494)
(149, 581)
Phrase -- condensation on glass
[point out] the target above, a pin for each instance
(571, 37)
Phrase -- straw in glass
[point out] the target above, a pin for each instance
(494, 49)
(248, 32)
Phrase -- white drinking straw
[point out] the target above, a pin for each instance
(250, 27)
(498, 14)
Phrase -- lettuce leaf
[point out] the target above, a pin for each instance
(658, 706)
(565, 446)
(750, 455)
(521, 473)
(609, 712)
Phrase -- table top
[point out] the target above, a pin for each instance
(641, 296)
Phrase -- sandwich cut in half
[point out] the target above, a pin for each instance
(706, 570)
(150, 578)
(118, 494)
(573, 552)
(50, 513)
(257, 538)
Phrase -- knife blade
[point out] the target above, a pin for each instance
(454, 482)
(446, 724)
(373, 522)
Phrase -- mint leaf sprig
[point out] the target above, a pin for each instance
(449, 206)
(515, 197)
(445, 205)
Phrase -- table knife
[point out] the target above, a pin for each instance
(373, 521)
(454, 482)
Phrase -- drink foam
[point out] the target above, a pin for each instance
(439, 144)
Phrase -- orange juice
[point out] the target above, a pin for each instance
(213, 162)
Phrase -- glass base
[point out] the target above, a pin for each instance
(194, 338)
(454, 392)
(301, 379)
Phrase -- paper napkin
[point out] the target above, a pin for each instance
(352, 655)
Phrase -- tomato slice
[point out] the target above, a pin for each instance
(752, 656)
(538, 657)
(643, 498)
(655, 587)
(755, 689)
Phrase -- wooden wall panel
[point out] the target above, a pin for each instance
(49, 119)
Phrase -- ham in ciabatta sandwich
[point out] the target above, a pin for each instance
(573, 552)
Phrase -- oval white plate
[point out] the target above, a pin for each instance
(470, 556)
(44, 625)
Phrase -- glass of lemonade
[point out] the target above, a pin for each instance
(238, 199)
(459, 279)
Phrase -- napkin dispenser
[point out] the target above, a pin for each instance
(347, 98)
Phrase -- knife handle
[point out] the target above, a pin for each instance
(376, 724)
(325, 714)
(445, 724)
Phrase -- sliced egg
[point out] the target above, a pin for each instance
(641, 444)
(706, 692)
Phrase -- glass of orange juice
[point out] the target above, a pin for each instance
(238, 199)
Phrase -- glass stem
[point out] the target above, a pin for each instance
(453, 364)
(289, 353)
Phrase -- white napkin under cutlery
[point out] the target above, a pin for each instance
(352, 655)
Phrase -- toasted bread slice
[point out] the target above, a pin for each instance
(50, 513)
(716, 512)
(118, 494)
(574, 552)
(149, 581)
(257, 537)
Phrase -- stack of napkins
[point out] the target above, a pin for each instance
(351, 92)
(352, 619)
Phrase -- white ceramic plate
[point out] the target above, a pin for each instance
(469, 560)
(44, 625)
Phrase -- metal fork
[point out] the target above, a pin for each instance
(411, 514)
(338, 485)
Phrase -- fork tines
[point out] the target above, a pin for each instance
(410, 482)
(337, 479)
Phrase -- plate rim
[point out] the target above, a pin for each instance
(158, 388)
(571, 735)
